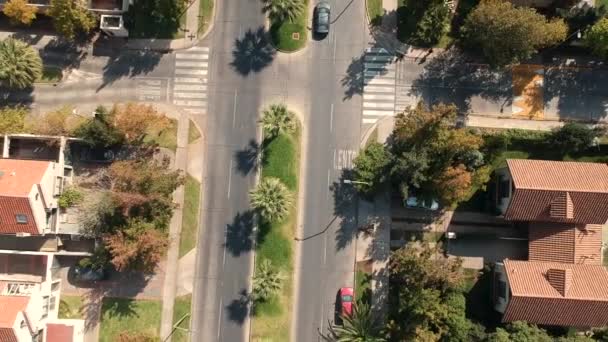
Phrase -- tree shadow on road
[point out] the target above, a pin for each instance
(354, 80)
(345, 208)
(253, 52)
(238, 309)
(239, 237)
(249, 158)
(129, 63)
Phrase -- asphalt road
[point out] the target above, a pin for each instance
(334, 124)
(225, 256)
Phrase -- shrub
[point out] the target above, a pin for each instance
(69, 197)
(19, 12)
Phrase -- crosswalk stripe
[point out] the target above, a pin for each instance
(190, 95)
(190, 72)
(189, 80)
(191, 64)
(148, 91)
(379, 81)
(191, 87)
(375, 89)
(378, 105)
(198, 48)
(372, 58)
(373, 112)
(190, 103)
(381, 66)
(367, 97)
(383, 74)
(191, 56)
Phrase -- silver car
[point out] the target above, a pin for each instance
(321, 18)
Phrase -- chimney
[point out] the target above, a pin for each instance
(562, 206)
(560, 279)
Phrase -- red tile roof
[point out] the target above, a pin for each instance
(553, 293)
(558, 191)
(17, 177)
(11, 306)
(559, 175)
(9, 208)
(59, 333)
(7, 335)
(565, 242)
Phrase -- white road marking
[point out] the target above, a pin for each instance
(378, 58)
(190, 72)
(383, 73)
(149, 91)
(370, 112)
(378, 81)
(191, 64)
(382, 66)
(190, 87)
(190, 95)
(367, 97)
(376, 89)
(190, 80)
(188, 103)
(198, 48)
(379, 105)
(229, 178)
(234, 109)
(219, 317)
(191, 56)
(369, 121)
(331, 119)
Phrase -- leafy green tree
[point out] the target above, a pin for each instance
(266, 282)
(20, 64)
(71, 17)
(282, 10)
(278, 119)
(99, 130)
(520, 332)
(410, 169)
(596, 38)
(69, 197)
(361, 326)
(433, 24)
(12, 119)
(19, 12)
(371, 168)
(507, 34)
(572, 137)
(272, 199)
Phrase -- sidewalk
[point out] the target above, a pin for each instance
(175, 227)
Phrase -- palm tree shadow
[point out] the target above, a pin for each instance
(251, 157)
(238, 309)
(253, 52)
(239, 237)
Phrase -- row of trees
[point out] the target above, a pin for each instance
(427, 155)
(70, 17)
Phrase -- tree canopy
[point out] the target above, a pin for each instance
(371, 168)
(508, 34)
(19, 12)
(596, 38)
(71, 17)
(12, 119)
(20, 64)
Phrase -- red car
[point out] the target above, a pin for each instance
(347, 297)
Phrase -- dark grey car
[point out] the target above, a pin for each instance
(322, 18)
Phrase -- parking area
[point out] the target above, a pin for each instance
(479, 250)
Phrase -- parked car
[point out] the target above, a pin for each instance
(347, 297)
(85, 271)
(415, 202)
(321, 18)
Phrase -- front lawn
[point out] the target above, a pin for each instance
(70, 307)
(181, 311)
(375, 12)
(271, 320)
(205, 12)
(128, 315)
(188, 235)
(161, 19)
(167, 137)
(282, 33)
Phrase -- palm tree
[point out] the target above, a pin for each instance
(272, 199)
(266, 282)
(281, 10)
(20, 64)
(278, 119)
(360, 326)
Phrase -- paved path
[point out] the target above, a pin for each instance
(175, 228)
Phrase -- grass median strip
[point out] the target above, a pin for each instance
(375, 12)
(192, 194)
(271, 320)
(290, 36)
(181, 311)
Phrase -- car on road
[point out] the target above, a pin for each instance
(347, 297)
(321, 18)
(86, 271)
